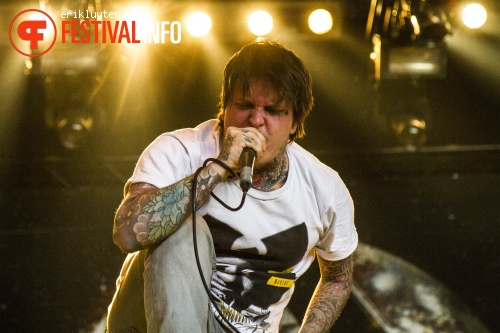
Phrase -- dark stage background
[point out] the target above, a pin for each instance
(437, 207)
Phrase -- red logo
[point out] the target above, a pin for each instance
(35, 29)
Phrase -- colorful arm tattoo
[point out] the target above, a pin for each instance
(150, 214)
(330, 295)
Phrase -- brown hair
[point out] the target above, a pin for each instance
(272, 64)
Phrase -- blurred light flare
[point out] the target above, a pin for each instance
(48, 31)
(339, 89)
(143, 19)
(48, 23)
(474, 16)
(416, 25)
(260, 23)
(199, 24)
(320, 21)
(13, 87)
(139, 14)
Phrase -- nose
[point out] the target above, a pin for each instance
(257, 117)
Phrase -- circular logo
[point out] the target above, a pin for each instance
(33, 27)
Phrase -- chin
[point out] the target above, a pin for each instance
(264, 165)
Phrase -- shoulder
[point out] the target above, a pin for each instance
(207, 131)
(309, 165)
(175, 155)
(325, 182)
(189, 139)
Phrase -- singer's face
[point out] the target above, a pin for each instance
(263, 109)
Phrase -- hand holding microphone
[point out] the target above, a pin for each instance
(247, 160)
(240, 149)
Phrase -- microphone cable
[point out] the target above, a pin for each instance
(193, 206)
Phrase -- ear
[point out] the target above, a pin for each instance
(294, 128)
(221, 115)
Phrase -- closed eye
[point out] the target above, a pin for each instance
(244, 106)
(274, 111)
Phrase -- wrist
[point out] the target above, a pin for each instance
(218, 169)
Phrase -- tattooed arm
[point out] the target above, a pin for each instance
(330, 296)
(148, 215)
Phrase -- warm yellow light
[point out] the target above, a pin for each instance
(474, 16)
(141, 18)
(415, 24)
(48, 30)
(138, 14)
(260, 23)
(320, 21)
(199, 24)
(39, 17)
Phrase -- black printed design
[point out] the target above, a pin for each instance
(253, 274)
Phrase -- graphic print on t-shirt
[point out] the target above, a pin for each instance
(253, 274)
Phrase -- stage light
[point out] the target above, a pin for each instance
(139, 14)
(433, 24)
(198, 24)
(47, 32)
(474, 16)
(320, 21)
(73, 131)
(142, 19)
(71, 109)
(408, 114)
(410, 131)
(260, 23)
(415, 60)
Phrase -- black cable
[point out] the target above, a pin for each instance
(193, 206)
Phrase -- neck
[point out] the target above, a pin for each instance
(273, 176)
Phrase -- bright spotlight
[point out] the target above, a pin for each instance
(41, 17)
(199, 24)
(142, 19)
(474, 16)
(260, 23)
(138, 14)
(320, 21)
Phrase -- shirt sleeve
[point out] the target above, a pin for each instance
(340, 238)
(162, 163)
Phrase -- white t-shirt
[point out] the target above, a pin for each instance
(271, 241)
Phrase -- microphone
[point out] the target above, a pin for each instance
(247, 159)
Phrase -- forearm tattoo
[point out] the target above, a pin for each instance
(330, 296)
(155, 214)
(224, 154)
(164, 210)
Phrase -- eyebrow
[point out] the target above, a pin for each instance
(275, 106)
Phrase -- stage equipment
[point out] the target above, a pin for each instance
(409, 48)
(72, 76)
(402, 298)
(407, 39)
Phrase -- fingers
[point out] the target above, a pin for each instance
(235, 140)
(253, 139)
